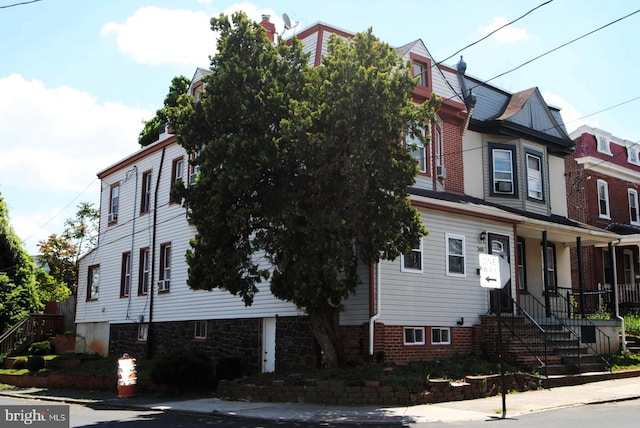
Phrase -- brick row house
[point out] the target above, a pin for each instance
(603, 180)
(491, 181)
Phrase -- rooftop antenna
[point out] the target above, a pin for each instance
(287, 22)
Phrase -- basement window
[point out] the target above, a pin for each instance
(414, 336)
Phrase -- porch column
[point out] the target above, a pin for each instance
(545, 276)
(581, 277)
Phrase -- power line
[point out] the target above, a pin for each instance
(493, 32)
(19, 4)
(563, 45)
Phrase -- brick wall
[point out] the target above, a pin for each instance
(389, 343)
(452, 155)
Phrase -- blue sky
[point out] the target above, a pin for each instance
(77, 78)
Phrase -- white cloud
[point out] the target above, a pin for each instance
(156, 36)
(56, 139)
(570, 115)
(509, 34)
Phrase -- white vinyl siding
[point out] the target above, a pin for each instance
(433, 297)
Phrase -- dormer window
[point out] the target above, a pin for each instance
(535, 188)
(603, 145)
(503, 170)
(632, 155)
(421, 70)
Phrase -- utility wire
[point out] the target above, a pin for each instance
(19, 4)
(563, 45)
(492, 33)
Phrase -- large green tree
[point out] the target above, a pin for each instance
(302, 176)
(18, 293)
(61, 252)
(153, 127)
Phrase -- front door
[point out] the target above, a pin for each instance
(499, 246)
(268, 345)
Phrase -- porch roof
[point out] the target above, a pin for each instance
(529, 225)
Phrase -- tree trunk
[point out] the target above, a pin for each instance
(325, 325)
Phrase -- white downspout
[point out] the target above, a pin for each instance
(616, 297)
(374, 318)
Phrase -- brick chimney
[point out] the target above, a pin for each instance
(269, 26)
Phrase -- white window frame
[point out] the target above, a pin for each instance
(535, 189)
(200, 329)
(145, 266)
(93, 282)
(627, 264)
(414, 339)
(448, 254)
(126, 274)
(603, 145)
(634, 214)
(114, 204)
(143, 332)
(497, 171)
(419, 152)
(419, 250)
(438, 340)
(632, 155)
(603, 197)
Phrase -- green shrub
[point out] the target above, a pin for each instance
(40, 348)
(184, 368)
(20, 363)
(35, 363)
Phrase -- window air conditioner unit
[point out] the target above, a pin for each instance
(164, 285)
(441, 171)
(112, 217)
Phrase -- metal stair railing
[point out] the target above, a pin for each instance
(582, 321)
(540, 312)
(27, 330)
(16, 336)
(536, 345)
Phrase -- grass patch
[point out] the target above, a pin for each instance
(625, 361)
(632, 324)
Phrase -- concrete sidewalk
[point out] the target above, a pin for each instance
(459, 411)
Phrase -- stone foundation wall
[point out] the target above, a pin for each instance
(333, 392)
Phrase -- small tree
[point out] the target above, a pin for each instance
(18, 293)
(60, 253)
(301, 165)
(153, 127)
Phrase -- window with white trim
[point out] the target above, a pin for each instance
(603, 199)
(145, 197)
(440, 336)
(114, 203)
(604, 145)
(165, 267)
(144, 271)
(412, 261)
(93, 282)
(503, 172)
(200, 330)
(534, 176)
(143, 332)
(455, 255)
(632, 155)
(633, 207)
(552, 285)
(418, 150)
(414, 336)
(125, 275)
(521, 268)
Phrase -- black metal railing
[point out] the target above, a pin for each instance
(30, 329)
(526, 331)
(562, 316)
